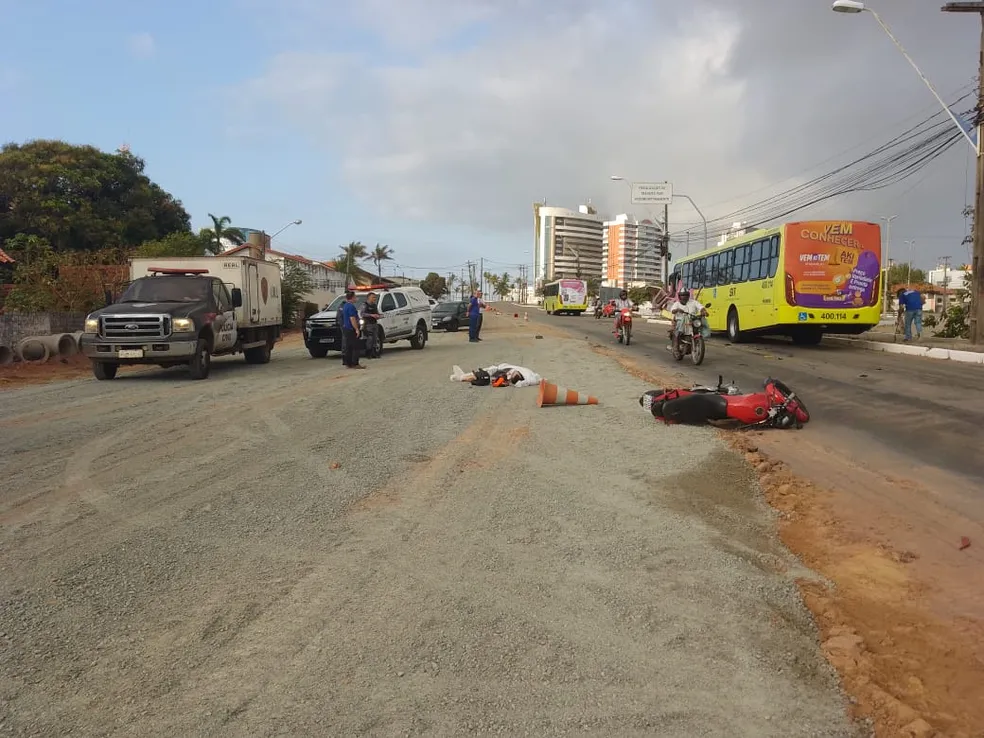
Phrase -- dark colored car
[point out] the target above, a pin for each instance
(449, 316)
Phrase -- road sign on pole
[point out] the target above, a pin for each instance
(652, 193)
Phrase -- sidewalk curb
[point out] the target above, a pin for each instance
(928, 352)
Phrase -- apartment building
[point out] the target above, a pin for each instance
(567, 244)
(631, 252)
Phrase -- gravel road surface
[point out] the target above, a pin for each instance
(297, 549)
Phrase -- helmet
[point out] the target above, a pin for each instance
(684, 295)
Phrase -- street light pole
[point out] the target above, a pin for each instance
(908, 269)
(292, 223)
(885, 257)
(977, 262)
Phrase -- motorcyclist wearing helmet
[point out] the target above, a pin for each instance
(683, 310)
(622, 303)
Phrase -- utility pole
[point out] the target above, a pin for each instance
(481, 270)
(664, 256)
(908, 267)
(885, 258)
(945, 261)
(977, 260)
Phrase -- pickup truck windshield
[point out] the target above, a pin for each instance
(167, 289)
(360, 300)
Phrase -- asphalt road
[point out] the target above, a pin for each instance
(928, 410)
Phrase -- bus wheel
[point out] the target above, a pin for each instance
(734, 328)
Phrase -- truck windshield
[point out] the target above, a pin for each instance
(167, 289)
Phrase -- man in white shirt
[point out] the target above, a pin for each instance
(683, 309)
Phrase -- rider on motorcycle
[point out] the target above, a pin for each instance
(683, 310)
(622, 303)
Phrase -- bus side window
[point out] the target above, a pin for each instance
(741, 264)
(773, 256)
(700, 270)
(755, 262)
(725, 266)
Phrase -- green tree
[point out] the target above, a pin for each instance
(78, 198)
(594, 285)
(221, 230)
(899, 275)
(176, 244)
(434, 285)
(295, 285)
(502, 285)
(378, 255)
(36, 273)
(452, 283)
(639, 295)
(956, 320)
(347, 262)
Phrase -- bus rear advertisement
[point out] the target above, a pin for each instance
(832, 265)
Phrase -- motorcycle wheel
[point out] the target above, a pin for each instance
(628, 337)
(677, 353)
(620, 333)
(697, 354)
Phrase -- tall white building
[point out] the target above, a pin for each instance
(566, 243)
(631, 252)
(956, 278)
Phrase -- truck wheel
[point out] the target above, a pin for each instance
(201, 365)
(318, 352)
(104, 370)
(258, 354)
(419, 338)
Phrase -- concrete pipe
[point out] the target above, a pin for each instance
(60, 345)
(78, 341)
(33, 349)
(6, 355)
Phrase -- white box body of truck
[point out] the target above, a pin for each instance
(258, 280)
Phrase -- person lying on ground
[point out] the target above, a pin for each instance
(515, 376)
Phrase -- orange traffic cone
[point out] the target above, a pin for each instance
(551, 394)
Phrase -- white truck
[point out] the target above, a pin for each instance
(185, 311)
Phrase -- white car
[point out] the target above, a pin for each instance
(405, 315)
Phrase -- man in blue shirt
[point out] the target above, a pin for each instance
(350, 333)
(911, 301)
(475, 306)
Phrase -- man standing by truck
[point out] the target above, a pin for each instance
(350, 333)
(370, 318)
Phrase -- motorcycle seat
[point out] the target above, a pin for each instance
(696, 409)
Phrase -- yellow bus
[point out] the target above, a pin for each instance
(800, 280)
(565, 296)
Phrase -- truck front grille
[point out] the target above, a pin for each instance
(135, 327)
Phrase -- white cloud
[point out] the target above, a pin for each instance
(141, 45)
(548, 100)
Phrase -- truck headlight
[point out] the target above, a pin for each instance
(91, 325)
(183, 325)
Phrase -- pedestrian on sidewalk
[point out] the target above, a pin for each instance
(911, 301)
(475, 306)
(350, 333)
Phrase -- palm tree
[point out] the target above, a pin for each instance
(378, 255)
(221, 229)
(451, 282)
(347, 262)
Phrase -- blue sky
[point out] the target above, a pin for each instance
(432, 125)
(87, 73)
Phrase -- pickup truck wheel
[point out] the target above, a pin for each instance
(201, 365)
(419, 338)
(104, 370)
(257, 355)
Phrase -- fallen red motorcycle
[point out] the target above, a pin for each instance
(776, 406)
